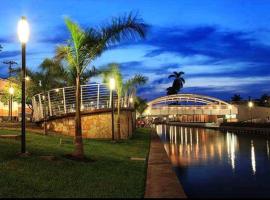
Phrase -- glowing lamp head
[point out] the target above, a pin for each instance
(250, 104)
(27, 78)
(23, 30)
(112, 84)
(11, 90)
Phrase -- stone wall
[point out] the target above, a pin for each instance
(95, 124)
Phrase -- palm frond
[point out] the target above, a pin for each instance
(122, 28)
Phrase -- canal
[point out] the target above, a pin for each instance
(210, 163)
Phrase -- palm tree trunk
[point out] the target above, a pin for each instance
(118, 118)
(79, 151)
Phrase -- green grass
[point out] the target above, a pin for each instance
(112, 174)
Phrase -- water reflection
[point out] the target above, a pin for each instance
(221, 163)
(253, 158)
(189, 146)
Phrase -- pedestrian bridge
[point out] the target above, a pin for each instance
(199, 107)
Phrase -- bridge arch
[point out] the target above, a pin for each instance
(200, 106)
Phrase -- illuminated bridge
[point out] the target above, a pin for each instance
(191, 108)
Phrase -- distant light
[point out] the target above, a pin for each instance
(112, 84)
(23, 30)
(57, 90)
(131, 100)
(27, 78)
(11, 90)
(250, 104)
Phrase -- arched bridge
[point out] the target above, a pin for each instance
(190, 104)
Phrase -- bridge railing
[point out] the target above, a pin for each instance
(60, 101)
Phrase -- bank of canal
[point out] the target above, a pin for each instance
(211, 163)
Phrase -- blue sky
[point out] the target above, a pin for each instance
(222, 46)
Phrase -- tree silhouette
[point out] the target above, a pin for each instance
(236, 98)
(178, 83)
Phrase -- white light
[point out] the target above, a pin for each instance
(57, 90)
(112, 84)
(230, 107)
(253, 158)
(27, 78)
(250, 104)
(130, 99)
(11, 90)
(23, 30)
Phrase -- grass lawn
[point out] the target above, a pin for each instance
(112, 174)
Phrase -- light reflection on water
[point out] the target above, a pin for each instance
(210, 163)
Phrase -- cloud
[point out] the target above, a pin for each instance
(60, 35)
(210, 41)
(9, 54)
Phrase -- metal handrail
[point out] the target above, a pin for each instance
(61, 101)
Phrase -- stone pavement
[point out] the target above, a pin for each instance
(162, 181)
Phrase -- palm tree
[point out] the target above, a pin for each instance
(113, 71)
(178, 83)
(236, 98)
(171, 90)
(131, 85)
(140, 105)
(48, 77)
(264, 100)
(84, 46)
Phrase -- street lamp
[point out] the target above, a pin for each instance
(250, 105)
(23, 33)
(11, 92)
(131, 101)
(230, 107)
(112, 87)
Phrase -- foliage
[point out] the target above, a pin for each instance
(84, 46)
(264, 100)
(5, 95)
(113, 71)
(140, 105)
(236, 98)
(178, 83)
(133, 83)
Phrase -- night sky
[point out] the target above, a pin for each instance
(222, 46)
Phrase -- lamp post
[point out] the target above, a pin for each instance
(250, 106)
(230, 107)
(23, 33)
(130, 102)
(112, 87)
(11, 92)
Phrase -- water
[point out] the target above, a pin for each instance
(210, 163)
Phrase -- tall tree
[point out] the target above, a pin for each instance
(140, 105)
(264, 100)
(236, 98)
(84, 46)
(130, 86)
(178, 83)
(113, 71)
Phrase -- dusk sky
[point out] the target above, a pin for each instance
(222, 46)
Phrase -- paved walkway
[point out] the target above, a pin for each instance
(161, 180)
